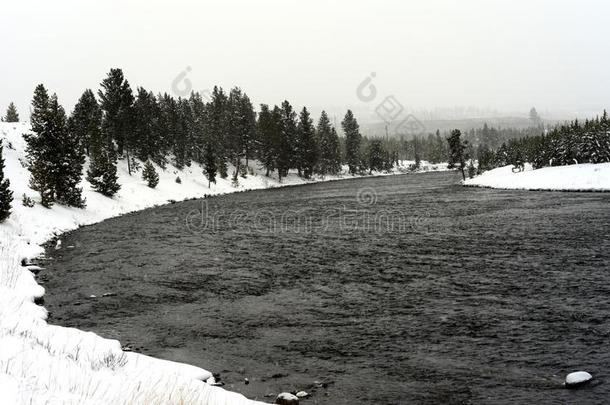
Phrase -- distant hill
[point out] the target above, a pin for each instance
(377, 129)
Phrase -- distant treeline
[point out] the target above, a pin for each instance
(567, 144)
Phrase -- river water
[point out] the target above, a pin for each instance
(391, 290)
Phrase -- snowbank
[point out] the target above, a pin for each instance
(47, 364)
(583, 177)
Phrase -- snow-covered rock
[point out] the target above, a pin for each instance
(286, 398)
(577, 379)
(583, 177)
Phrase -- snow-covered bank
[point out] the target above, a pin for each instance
(47, 364)
(583, 177)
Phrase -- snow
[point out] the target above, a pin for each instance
(577, 378)
(581, 177)
(49, 364)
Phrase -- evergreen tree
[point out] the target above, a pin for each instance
(457, 151)
(376, 156)
(148, 128)
(86, 119)
(39, 148)
(352, 141)
(209, 163)
(241, 122)
(102, 172)
(55, 157)
(116, 103)
(68, 160)
(285, 147)
(217, 124)
(267, 134)
(200, 137)
(328, 147)
(6, 195)
(184, 128)
(11, 114)
(149, 174)
(306, 153)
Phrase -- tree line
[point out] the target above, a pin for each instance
(226, 131)
(571, 143)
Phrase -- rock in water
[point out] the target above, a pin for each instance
(286, 398)
(577, 379)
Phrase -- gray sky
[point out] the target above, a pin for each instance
(500, 55)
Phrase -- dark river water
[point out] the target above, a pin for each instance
(393, 290)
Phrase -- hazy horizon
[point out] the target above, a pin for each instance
(431, 56)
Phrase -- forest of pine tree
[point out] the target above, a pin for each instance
(227, 132)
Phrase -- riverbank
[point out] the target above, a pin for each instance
(582, 177)
(42, 363)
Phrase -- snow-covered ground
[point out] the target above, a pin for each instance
(48, 364)
(583, 177)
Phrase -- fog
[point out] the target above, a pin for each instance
(498, 58)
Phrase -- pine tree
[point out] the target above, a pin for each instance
(217, 124)
(11, 114)
(457, 148)
(6, 195)
(209, 163)
(42, 148)
(376, 156)
(116, 103)
(267, 134)
(68, 160)
(149, 174)
(352, 142)
(285, 147)
(102, 172)
(328, 147)
(86, 119)
(148, 128)
(306, 153)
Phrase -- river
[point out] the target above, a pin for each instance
(389, 290)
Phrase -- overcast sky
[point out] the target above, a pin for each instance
(502, 55)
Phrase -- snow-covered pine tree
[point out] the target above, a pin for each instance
(11, 114)
(352, 142)
(102, 172)
(266, 133)
(217, 128)
(247, 127)
(307, 152)
(147, 128)
(149, 174)
(86, 119)
(327, 146)
(376, 156)
(116, 103)
(42, 148)
(285, 147)
(68, 159)
(6, 195)
(457, 147)
(184, 125)
(209, 163)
